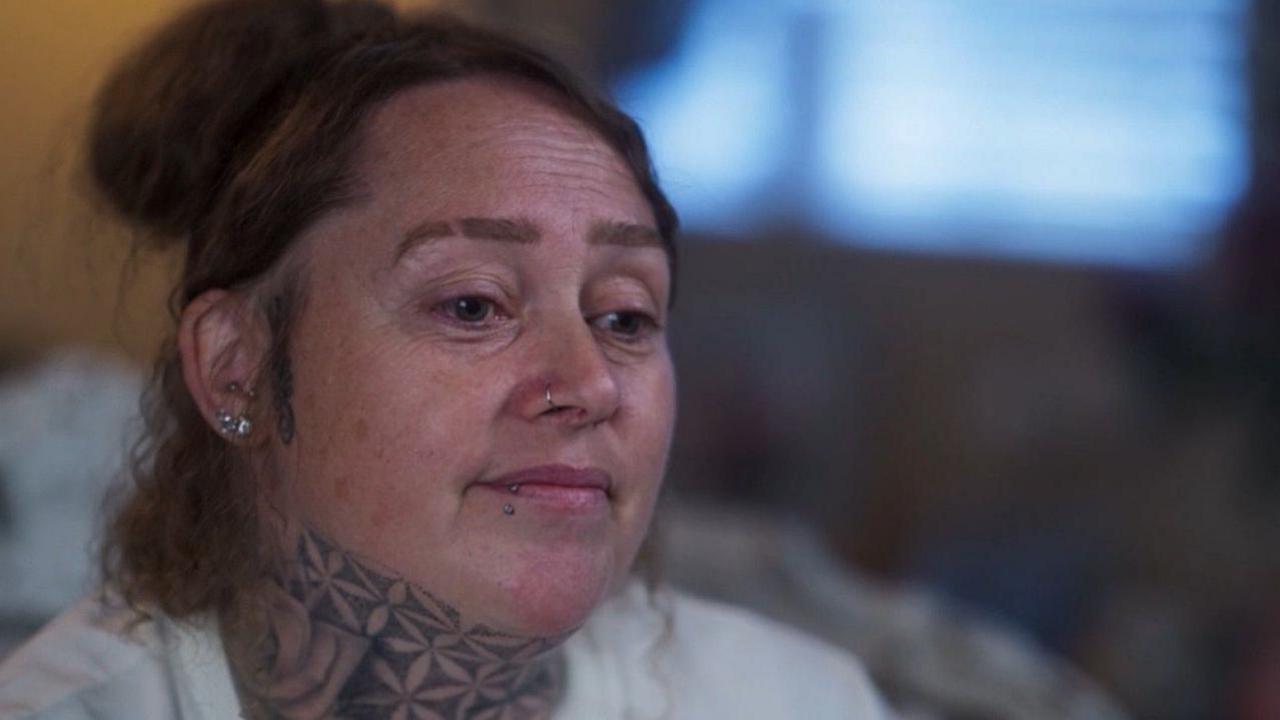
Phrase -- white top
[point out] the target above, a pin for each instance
(715, 662)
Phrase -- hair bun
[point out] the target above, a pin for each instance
(177, 117)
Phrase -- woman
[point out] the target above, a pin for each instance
(406, 445)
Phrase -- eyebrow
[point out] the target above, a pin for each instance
(624, 234)
(500, 229)
(496, 229)
(522, 231)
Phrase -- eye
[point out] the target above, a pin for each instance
(469, 309)
(626, 325)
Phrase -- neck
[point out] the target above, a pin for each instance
(347, 640)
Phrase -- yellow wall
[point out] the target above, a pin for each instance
(60, 265)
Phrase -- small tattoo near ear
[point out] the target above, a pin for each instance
(279, 316)
(284, 399)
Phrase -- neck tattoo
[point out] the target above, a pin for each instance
(346, 640)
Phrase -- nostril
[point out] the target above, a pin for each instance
(570, 415)
(568, 412)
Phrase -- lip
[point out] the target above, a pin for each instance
(555, 488)
(563, 476)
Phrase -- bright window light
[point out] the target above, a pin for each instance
(1076, 130)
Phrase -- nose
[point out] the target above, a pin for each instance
(576, 376)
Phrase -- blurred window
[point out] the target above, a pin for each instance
(1108, 131)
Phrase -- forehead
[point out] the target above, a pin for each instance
(487, 146)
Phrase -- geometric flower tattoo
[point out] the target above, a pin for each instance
(351, 642)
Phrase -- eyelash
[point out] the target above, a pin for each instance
(447, 308)
(648, 325)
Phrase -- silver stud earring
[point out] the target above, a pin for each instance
(239, 426)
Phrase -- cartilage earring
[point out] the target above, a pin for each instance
(238, 426)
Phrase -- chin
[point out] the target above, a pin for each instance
(555, 594)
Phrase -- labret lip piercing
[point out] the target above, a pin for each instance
(508, 509)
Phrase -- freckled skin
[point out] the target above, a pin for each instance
(342, 487)
(399, 410)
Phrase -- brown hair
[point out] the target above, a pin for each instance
(231, 131)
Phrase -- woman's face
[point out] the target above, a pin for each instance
(500, 249)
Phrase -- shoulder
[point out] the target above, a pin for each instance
(765, 664)
(94, 660)
(679, 656)
(83, 649)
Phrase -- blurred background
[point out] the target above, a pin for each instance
(978, 332)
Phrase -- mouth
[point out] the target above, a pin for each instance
(561, 487)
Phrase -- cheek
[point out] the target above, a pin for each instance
(664, 404)
(372, 442)
(670, 397)
(654, 421)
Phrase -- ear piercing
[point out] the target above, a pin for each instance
(237, 426)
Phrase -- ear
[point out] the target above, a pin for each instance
(223, 343)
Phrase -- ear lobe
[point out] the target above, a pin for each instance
(221, 341)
